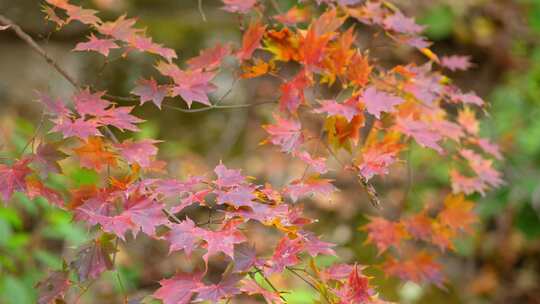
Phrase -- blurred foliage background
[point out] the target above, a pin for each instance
(500, 263)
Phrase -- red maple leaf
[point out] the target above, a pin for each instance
(285, 133)
(251, 40)
(238, 6)
(179, 289)
(12, 178)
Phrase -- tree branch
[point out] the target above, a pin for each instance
(32, 43)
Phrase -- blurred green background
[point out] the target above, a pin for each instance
(500, 263)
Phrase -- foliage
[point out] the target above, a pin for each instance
(362, 115)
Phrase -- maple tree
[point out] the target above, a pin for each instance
(377, 114)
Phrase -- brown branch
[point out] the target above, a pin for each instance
(32, 43)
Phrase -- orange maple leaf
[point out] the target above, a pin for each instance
(93, 154)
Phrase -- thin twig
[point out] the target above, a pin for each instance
(201, 11)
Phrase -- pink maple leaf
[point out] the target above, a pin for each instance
(285, 133)
(422, 133)
(222, 240)
(237, 197)
(210, 58)
(120, 118)
(140, 152)
(54, 106)
(183, 236)
(121, 28)
(375, 163)
(193, 86)
(378, 101)
(79, 128)
(102, 46)
(456, 62)
(149, 90)
(331, 107)
(53, 287)
(88, 103)
(401, 24)
(318, 164)
(228, 177)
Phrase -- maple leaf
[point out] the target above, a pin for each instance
(35, 188)
(251, 40)
(348, 109)
(120, 118)
(375, 162)
(338, 56)
(309, 186)
(121, 28)
(378, 101)
(422, 133)
(88, 103)
(455, 62)
(12, 178)
(222, 240)
(54, 106)
(336, 272)
(292, 93)
(239, 6)
(51, 15)
(458, 213)
(245, 257)
(140, 213)
(285, 133)
(358, 70)
(93, 155)
(102, 46)
(149, 90)
(211, 58)
(145, 44)
(468, 98)
(283, 44)
(179, 289)
(228, 177)
(226, 288)
(285, 254)
(190, 85)
(342, 133)
(251, 287)
(79, 127)
(53, 287)
(467, 119)
(482, 167)
(314, 246)
(85, 16)
(466, 185)
(383, 233)
(94, 258)
(419, 226)
(237, 197)
(183, 236)
(259, 68)
(140, 152)
(421, 267)
(401, 24)
(356, 289)
(317, 164)
(47, 156)
(489, 147)
(294, 16)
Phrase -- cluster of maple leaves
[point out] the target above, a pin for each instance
(393, 106)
